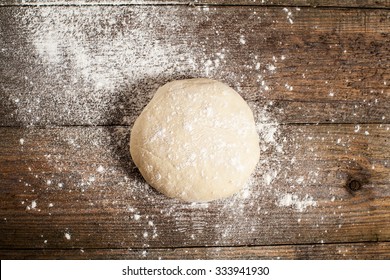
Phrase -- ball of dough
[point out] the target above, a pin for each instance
(196, 140)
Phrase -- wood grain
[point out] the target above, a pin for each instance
(74, 77)
(367, 251)
(58, 168)
(304, 3)
(328, 66)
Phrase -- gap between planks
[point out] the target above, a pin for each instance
(207, 247)
(361, 250)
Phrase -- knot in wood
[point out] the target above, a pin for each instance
(354, 185)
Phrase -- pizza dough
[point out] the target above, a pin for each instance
(196, 140)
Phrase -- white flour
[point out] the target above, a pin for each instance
(95, 62)
(97, 52)
(292, 200)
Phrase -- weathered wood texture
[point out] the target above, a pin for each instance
(318, 83)
(53, 185)
(100, 65)
(304, 3)
(368, 251)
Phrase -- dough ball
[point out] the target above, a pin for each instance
(196, 140)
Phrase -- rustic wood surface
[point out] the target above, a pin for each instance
(372, 251)
(327, 67)
(74, 78)
(303, 3)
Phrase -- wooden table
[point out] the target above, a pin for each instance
(74, 75)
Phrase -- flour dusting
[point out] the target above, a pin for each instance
(289, 15)
(300, 204)
(97, 66)
(67, 236)
(86, 54)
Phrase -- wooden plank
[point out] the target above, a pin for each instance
(76, 187)
(101, 65)
(342, 251)
(304, 3)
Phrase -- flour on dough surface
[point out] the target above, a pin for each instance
(196, 140)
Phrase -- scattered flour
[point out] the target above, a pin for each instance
(292, 200)
(32, 206)
(300, 180)
(271, 67)
(80, 51)
(268, 177)
(288, 87)
(100, 169)
(67, 235)
(242, 40)
(289, 15)
(357, 128)
(93, 50)
(136, 217)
